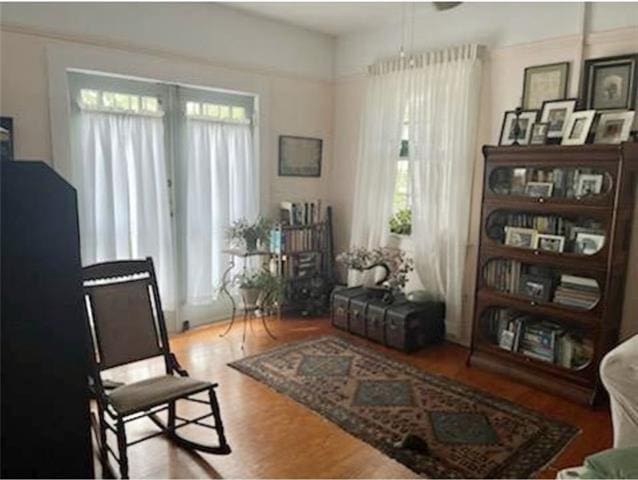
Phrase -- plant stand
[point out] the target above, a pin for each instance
(248, 308)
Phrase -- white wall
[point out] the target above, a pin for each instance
(491, 24)
(518, 35)
(203, 31)
(199, 44)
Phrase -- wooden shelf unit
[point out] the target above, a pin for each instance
(612, 209)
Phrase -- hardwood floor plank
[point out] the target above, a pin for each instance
(272, 436)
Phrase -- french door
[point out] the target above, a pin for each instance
(161, 171)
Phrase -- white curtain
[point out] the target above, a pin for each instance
(123, 194)
(221, 187)
(437, 96)
(379, 147)
(442, 122)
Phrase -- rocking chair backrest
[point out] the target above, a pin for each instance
(124, 312)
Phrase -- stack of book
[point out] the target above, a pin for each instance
(576, 291)
(300, 213)
(540, 340)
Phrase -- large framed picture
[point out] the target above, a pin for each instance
(544, 82)
(578, 127)
(614, 127)
(526, 119)
(557, 113)
(610, 83)
(300, 156)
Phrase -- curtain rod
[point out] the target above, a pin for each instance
(420, 60)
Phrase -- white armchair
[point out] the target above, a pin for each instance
(619, 374)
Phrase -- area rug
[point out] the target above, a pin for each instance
(469, 434)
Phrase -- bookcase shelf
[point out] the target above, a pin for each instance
(302, 249)
(555, 231)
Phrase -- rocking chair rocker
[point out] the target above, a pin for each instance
(127, 325)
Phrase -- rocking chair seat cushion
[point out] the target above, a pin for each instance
(138, 396)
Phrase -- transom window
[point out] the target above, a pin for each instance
(218, 112)
(99, 100)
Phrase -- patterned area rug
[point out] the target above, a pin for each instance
(469, 434)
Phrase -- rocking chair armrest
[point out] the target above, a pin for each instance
(177, 367)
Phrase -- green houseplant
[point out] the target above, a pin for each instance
(249, 235)
(260, 288)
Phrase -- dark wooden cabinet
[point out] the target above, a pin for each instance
(45, 404)
(554, 246)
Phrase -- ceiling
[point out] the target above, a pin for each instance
(333, 18)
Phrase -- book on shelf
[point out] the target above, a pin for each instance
(300, 213)
(574, 291)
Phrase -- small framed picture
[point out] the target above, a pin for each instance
(299, 156)
(525, 121)
(614, 127)
(557, 113)
(6, 138)
(610, 83)
(578, 127)
(544, 82)
(589, 243)
(507, 340)
(539, 189)
(536, 287)
(539, 133)
(550, 243)
(589, 184)
(520, 237)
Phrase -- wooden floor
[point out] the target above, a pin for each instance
(274, 437)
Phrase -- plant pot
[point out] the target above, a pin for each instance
(250, 296)
(251, 244)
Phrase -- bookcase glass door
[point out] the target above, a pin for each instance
(541, 283)
(538, 338)
(576, 183)
(549, 232)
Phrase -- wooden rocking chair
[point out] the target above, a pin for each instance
(127, 325)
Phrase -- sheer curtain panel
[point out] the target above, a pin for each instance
(221, 176)
(442, 122)
(123, 194)
(379, 149)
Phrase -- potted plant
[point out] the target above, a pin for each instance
(394, 262)
(259, 289)
(249, 235)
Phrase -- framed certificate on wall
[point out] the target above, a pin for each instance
(300, 156)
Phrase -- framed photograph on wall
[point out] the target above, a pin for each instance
(299, 156)
(578, 127)
(610, 83)
(557, 113)
(525, 121)
(544, 82)
(614, 127)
